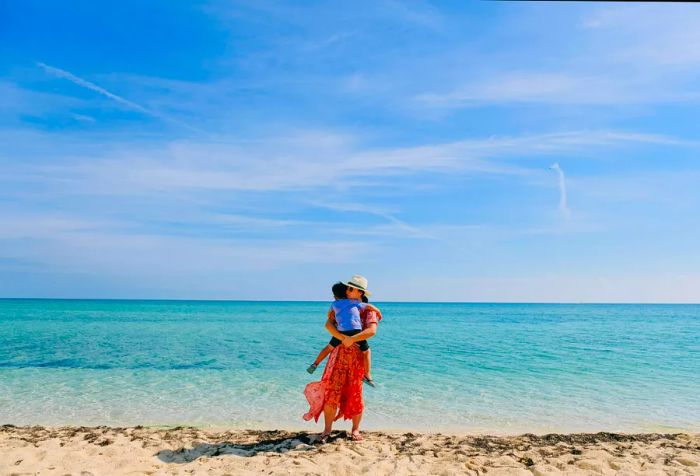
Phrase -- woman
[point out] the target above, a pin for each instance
(339, 393)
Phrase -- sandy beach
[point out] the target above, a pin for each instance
(104, 450)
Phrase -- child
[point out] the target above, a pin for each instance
(349, 301)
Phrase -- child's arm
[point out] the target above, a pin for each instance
(331, 327)
(370, 320)
(366, 333)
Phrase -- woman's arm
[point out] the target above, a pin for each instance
(371, 307)
(367, 333)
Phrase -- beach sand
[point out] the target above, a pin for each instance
(104, 450)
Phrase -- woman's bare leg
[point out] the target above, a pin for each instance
(368, 363)
(356, 436)
(328, 417)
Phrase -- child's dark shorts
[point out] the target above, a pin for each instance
(364, 346)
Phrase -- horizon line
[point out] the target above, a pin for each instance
(323, 301)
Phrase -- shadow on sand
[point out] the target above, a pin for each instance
(300, 442)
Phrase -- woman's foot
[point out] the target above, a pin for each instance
(356, 435)
(312, 368)
(323, 439)
(368, 380)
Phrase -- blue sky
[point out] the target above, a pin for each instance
(264, 150)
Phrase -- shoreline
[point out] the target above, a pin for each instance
(316, 427)
(167, 450)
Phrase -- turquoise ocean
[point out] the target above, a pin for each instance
(495, 368)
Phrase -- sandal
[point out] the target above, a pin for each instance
(312, 368)
(356, 436)
(368, 381)
(323, 439)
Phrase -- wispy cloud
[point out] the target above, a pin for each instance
(22, 101)
(301, 162)
(338, 138)
(551, 87)
(612, 287)
(563, 205)
(60, 73)
(624, 55)
(87, 84)
(70, 244)
(646, 35)
(397, 227)
(668, 188)
(419, 14)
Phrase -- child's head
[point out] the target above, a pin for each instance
(339, 290)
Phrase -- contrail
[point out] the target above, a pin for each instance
(130, 104)
(87, 84)
(563, 207)
(392, 219)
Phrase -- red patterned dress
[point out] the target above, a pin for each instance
(341, 383)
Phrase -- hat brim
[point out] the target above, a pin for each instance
(357, 286)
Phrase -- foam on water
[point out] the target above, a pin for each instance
(504, 368)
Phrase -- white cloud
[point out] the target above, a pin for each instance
(25, 225)
(250, 222)
(620, 55)
(87, 84)
(125, 102)
(421, 14)
(671, 188)
(559, 88)
(551, 288)
(19, 100)
(395, 226)
(304, 162)
(69, 244)
(648, 35)
(83, 118)
(563, 205)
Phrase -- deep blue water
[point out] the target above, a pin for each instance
(504, 368)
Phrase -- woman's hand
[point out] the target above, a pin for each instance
(348, 341)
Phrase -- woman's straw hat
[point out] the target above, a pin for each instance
(359, 282)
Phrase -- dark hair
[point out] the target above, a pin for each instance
(364, 298)
(339, 290)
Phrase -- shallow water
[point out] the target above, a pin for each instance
(500, 368)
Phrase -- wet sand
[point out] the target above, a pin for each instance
(104, 450)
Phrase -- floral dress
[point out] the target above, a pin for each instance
(341, 383)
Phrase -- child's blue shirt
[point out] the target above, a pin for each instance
(347, 314)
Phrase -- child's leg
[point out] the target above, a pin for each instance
(323, 354)
(368, 363)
